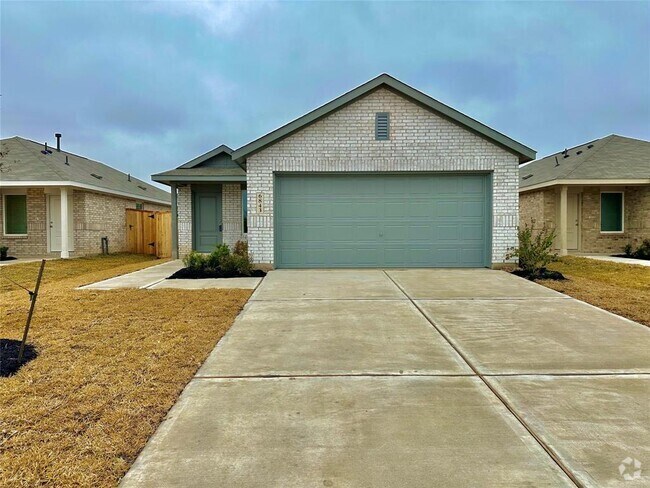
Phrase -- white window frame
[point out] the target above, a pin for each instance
(5, 193)
(600, 213)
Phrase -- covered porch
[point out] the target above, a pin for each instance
(208, 202)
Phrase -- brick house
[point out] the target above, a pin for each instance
(382, 176)
(596, 195)
(55, 203)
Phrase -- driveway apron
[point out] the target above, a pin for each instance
(410, 378)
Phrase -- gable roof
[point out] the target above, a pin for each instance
(214, 165)
(611, 158)
(384, 80)
(23, 162)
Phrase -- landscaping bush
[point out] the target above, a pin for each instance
(535, 252)
(627, 250)
(641, 252)
(220, 263)
(4, 250)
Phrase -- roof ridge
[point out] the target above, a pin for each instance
(42, 158)
(606, 140)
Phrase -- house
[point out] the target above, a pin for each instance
(596, 195)
(382, 176)
(55, 203)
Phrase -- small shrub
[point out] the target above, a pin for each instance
(4, 250)
(241, 248)
(643, 251)
(215, 257)
(627, 250)
(236, 265)
(195, 261)
(534, 250)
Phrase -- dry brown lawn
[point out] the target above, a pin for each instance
(620, 288)
(110, 365)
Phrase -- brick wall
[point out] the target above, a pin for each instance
(184, 204)
(35, 243)
(232, 213)
(419, 141)
(538, 208)
(636, 221)
(95, 215)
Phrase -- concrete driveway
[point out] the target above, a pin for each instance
(411, 378)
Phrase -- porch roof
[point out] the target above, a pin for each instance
(214, 166)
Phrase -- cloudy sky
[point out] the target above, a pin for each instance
(147, 86)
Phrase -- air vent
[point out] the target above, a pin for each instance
(142, 187)
(99, 177)
(579, 152)
(526, 177)
(382, 126)
(590, 146)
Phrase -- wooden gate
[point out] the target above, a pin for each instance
(149, 232)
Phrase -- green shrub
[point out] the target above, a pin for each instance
(215, 257)
(643, 251)
(195, 261)
(241, 248)
(627, 250)
(236, 265)
(4, 250)
(534, 250)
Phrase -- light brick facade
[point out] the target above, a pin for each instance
(184, 203)
(95, 215)
(541, 206)
(419, 141)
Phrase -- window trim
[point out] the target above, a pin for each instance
(600, 214)
(4, 214)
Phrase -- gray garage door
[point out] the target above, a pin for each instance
(382, 220)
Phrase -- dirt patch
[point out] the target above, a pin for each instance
(544, 274)
(9, 350)
(197, 274)
(110, 364)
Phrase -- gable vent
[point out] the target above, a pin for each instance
(382, 129)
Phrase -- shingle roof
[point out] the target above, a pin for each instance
(215, 165)
(610, 158)
(22, 160)
(384, 80)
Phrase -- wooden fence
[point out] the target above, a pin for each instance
(149, 232)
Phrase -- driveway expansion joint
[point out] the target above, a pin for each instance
(552, 454)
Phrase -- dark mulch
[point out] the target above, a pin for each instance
(8, 258)
(193, 274)
(9, 356)
(630, 257)
(544, 274)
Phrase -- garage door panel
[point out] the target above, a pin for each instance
(381, 220)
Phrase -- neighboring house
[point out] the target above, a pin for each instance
(57, 203)
(596, 196)
(382, 176)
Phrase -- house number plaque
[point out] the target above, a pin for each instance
(259, 202)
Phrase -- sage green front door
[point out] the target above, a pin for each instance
(382, 220)
(206, 218)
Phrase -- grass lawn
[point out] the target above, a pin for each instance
(620, 288)
(110, 365)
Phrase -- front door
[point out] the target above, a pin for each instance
(207, 220)
(573, 220)
(54, 203)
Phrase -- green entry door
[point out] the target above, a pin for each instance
(382, 220)
(207, 220)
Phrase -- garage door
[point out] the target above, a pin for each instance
(382, 220)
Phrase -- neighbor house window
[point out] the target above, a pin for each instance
(15, 214)
(244, 211)
(139, 206)
(611, 212)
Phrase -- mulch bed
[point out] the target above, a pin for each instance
(9, 349)
(544, 274)
(8, 258)
(193, 274)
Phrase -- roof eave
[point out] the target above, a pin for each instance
(197, 179)
(524, 153)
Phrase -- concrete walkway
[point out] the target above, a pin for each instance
(155, 277)
(615, 259)
(413, 378)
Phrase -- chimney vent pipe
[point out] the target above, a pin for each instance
(58, 141)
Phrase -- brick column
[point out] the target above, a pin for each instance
(231, 213)
(184, 204)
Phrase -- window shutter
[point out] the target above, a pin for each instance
(382, 126)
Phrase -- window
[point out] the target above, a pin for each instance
(611, 212)
(244, 211)
(15, 214)
(382, 131)
(139, 206)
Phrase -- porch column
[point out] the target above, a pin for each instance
(174, 222)
(65, 245)
(564, 192)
